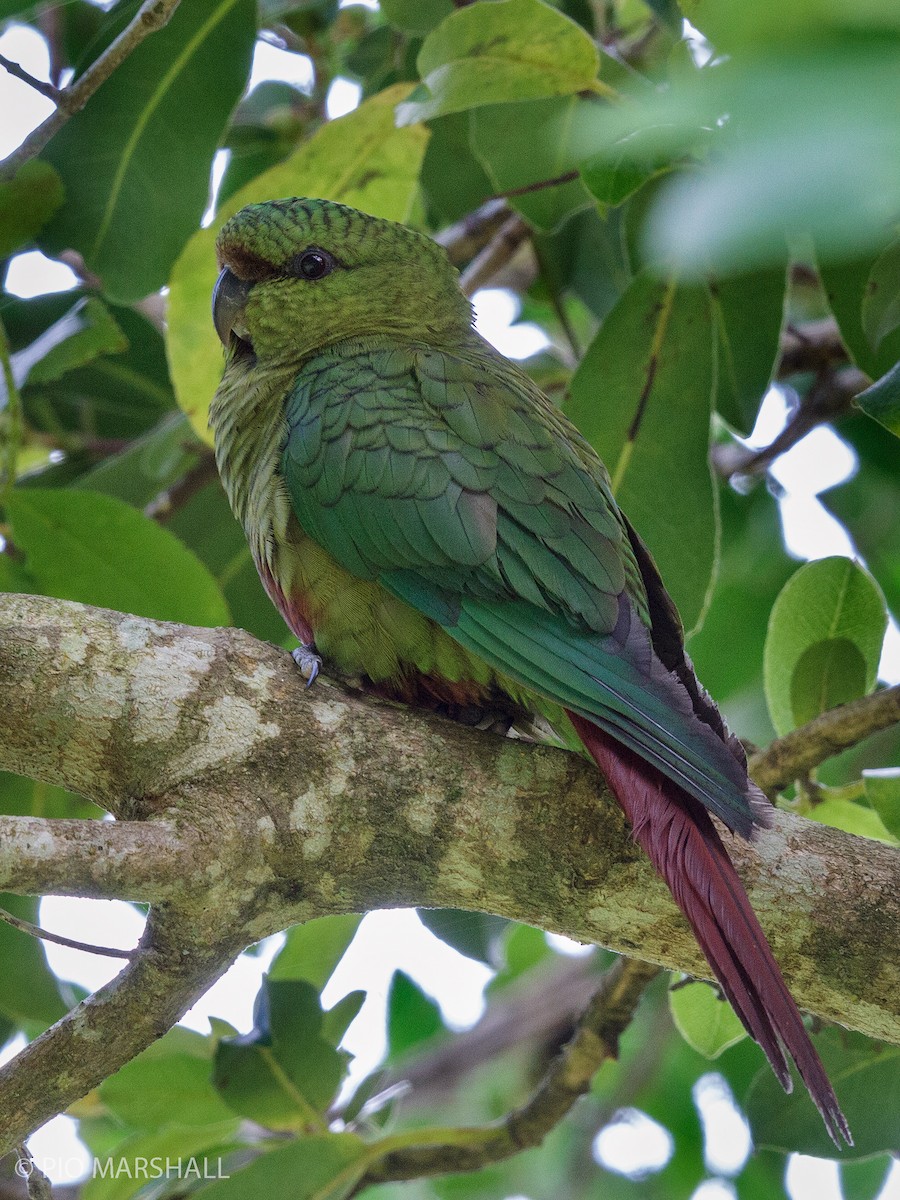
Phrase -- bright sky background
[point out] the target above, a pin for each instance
(397, 940)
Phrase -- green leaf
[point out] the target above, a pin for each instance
(881, 304)
(413, 1017)
(416, 16)
(704, 1019)
(750, 312)
(530, 142)
(824, 641)
(852, 818)
(867, 502)
(848, 284)
(135, 162)
(174, 1155)
(313, 950)
(361, 160)
(29, 992)
(27, 202)
(88, 547)
(284, 1073)
(168, 1082)
(881, 401)
(883, 793)
(326, 1167)
(453, 180)
(149, 466)
(87, 331)
(474, 934)
(21, 797)
(864, 1180)
(490, 53)
(116, 395)
(642, 398)
(337, 1020)
(866, 1078)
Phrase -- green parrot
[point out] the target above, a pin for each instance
(424, 517)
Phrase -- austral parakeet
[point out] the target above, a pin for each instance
(424, 517)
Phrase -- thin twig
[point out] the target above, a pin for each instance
(797, 753)
(152, 15)
(36, 931)
(419, 1153)
(496, 254)
(471, 233)
(39, 85)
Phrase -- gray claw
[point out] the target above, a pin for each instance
(308, 661)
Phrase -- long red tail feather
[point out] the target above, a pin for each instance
(676, 832)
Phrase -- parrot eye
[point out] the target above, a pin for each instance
(312, 264)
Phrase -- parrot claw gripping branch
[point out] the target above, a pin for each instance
(426, 518)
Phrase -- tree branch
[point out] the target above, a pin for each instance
(797, 753)
(247, 804)
(128, 860)
(412, 1156)
(172, 970)
(152, 15)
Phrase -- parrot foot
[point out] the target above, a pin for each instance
(308, 661)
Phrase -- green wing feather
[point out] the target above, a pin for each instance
(453, 481)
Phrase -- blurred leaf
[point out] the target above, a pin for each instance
(311, 951)
(207, 526)
(507, 50)
(27, 202)
(883, 793)
(413, 1017)
(750, 311)
(730, 25)
(324, 1167)
(866, 1078)
(23, 797)
(774, 172)
(475, 934)
(704, 1019)
(86, 331)
(149, 466)
(88, 547)
(864, 1180)
(265, 129)
(168, 1083)
(144, 1156)
(284, 1073)
(881, 401)
(824, 641)
(642, 397)
(852, 818)
(135, 162)
(115, 395)
(416, 16)
(529, 142)
(361, 160)
(338, 1019)
(523, 948)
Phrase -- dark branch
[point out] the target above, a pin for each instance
(412, 1156)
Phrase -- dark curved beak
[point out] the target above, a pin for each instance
(228, 301)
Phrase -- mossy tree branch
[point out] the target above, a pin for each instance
(246, 804)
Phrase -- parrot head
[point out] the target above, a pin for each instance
(298, 275)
